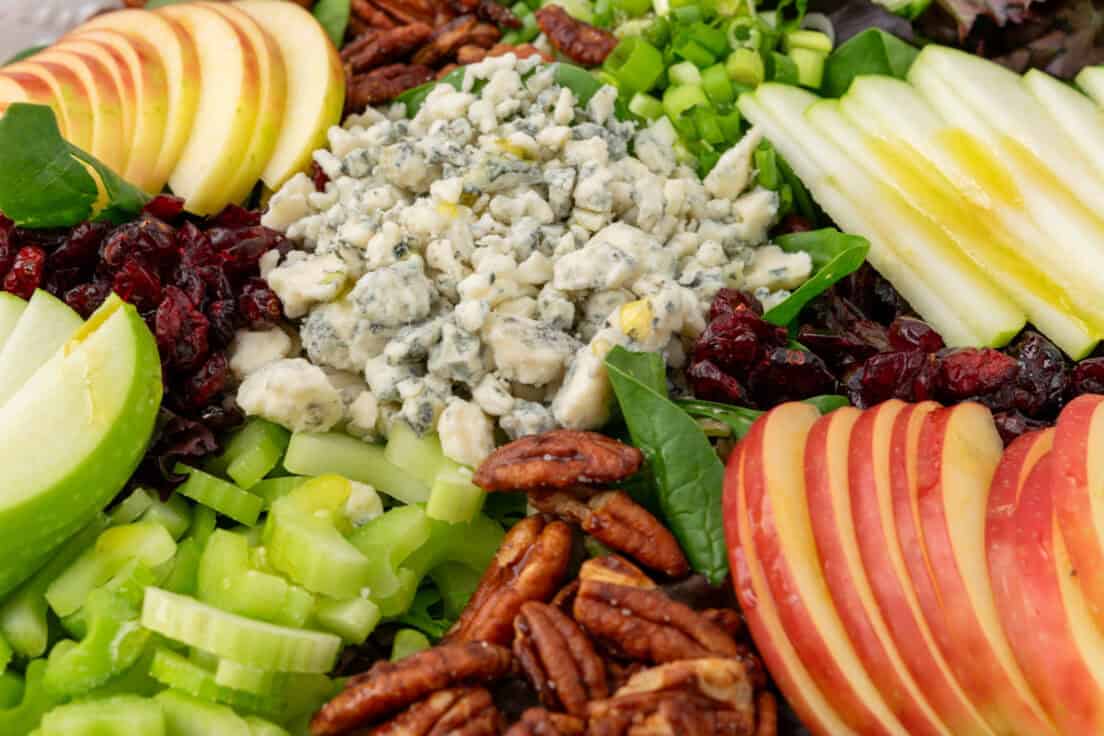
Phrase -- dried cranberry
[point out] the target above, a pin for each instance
(1044, 375)
(165, 207)
(871, 333)
(58, 281)
(206, 383)
(7, 257)
(196, 248)
(794, 223)
(735, 340)
(909, 333)
(1012, 424)
(222, 317)
(218, 284)
(87, 298)
(1088, 377)
(785, 374)
(138, 285)
(710, 382)
(838, 351)
(258, 305)
(26, 271)
(901, 375)
(318, 177)
(239, 250)
(147, 238)
(181, 331)
(81, 247)
(188, 281)
(233, 215)
(970, 372)
(728, 301)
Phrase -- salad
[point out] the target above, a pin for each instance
(553, 368)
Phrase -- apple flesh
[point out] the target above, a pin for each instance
(1091, 82)
(11, 309)
(1073, 113)
(71, 437)
(67, 97)
(44, 326)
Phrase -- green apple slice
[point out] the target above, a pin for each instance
(44, 326)
(71, 437)
(229, 96)
(11, 308)
(895, 163)
(1091, 82)
(315, 87)
(1074, 113)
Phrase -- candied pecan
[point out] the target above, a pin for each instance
(407, 11)
(371, 16)
(621, 524)
(446, 70)
(557, 460)
(391, 686)
(484, 35)
(469, 54)
(728, 619)
(643, 623)
(561, 662)
(463, 7)
(386, 47)
(521, 51)
(446, 40)
(565, 599)
(578, 41)
(466, 711)
(498, 14)
(615, 570)
(541, 722)
(385, 84)
(531, 565)
(766, 715)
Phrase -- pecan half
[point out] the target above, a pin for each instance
(644, 624)
(484, 35)
(561, 662)
(470, 54)
(385, 47)
(766, 712)
(522, 51)
(446, 40)
(391, 686)
(531, 565)
(728, 619)
(541, 722)
(573, 38)
(407, 11)
(615, 570)
(500, 15)
(455, 712)
(557, 460)
(372, 16)
(384, 84)
(621, 524)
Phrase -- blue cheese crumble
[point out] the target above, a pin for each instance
(475, 264)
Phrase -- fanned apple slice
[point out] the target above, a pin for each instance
(24, 87)
(1091, 81)
(827, 476)
(272, 104)
(120, 76)
(813, 706)
(315, 88)
(1074, 113)
(882, 458)
(178, 57)
(70, 104)
(229, 96)
(958, 455)
(1020, 532)
(774, 481)
(150, 100)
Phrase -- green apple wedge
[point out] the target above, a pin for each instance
(43, 327)
(71, 437)
(1091, 82)
(967, 291)
(1074, 113)
(315, 85)
(1042, 298)
(11, 308)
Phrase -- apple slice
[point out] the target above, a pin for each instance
(71, 437)
(229, 96)
(774, 481)
(181, 64)
(67, 97)
(11, 308)
(272, 101)
(150, 99)
(1020, 533)
(958, 455)
(43, 327)
(1091, 82)
(315, 85)
(23, 87)
(882, 458)
(811, 705)
(827, 478)
(1075, 114)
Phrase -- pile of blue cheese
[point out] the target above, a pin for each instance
(472, 266)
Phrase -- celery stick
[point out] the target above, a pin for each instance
(182, 578)
(225, 498)
(407, 642)
(261, 727)
(319, 454)
(175, 515)
(353, 619)
(189, 716)
(175, 671)
(122, 715)
(236, 676)
(453, 497)
(131, 508)
(387, 541)
(421, 457)
(398, 602)
(271, 489)
(252, 452)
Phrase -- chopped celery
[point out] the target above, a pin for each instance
(407, 642)
(635, 64)
(784, 69)
(185, 567)
(254, 643)
(455, 582)
(453, 497)
(203, 524)
(252, 452)
(150, 543)
(5, 654)
(473, 543)
(186, 715)
(810, 67)
(353, 619)
(225, 498)
(174, 514)
(399, 601)
(387, 541)
(236, 676)
(318, 454)
(135, 680)
(261, 727)
(420, 456)
(131, 508)
(175, 671)
(122, 715)
(37, 700)
(717, 85)
(271, 489)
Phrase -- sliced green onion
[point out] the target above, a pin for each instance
(225, 498)
(805, 39)
(658, 33)
(581, 9)
(810, 67)
(766, 167)
(645, 106)
(529, 29)
(687, 131)
(745, 66)
(635, 64)
(679, 100)
(713, 39)
(683, 73)
(708, 126)
(707, 159)
(783, 69)
(687, 14)
(633, 8)
(318, 454)
(689, 49)
(744, 33)
(407, 642)
(717, 86)
(731, 126)
(521, 9)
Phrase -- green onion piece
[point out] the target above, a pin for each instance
(805, 39)
(318, 454)
(453, 497)
(678, 100)
(635, 64)
(687, 14)
(254, 643)
(717, 86)
(688, 132)
(511, 38)
(689, 49)
(707, 159)
(713, 39)
(783, 69)
(766, 164)
(407, 642)
(683, 73)
(708, 126)
(11, 689)
(810, 67)
(745, 66)
(658, 33)
(122, 715)
(632, 8)
(744, 33)
(645, 106)
(225, 498)
(603, 13)
(731, 126)
(534, 4)
(353, 619)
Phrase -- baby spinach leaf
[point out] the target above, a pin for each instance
(871, 52)
(740, 418)
(425, 614)
(834, 255)
(153, 4)
(333, 16)
(49, 182)
(414, 98)
(24, 54)
(687, 471)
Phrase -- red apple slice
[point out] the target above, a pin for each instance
(958, 455)
(774, 481)
(882, 451)
(121, 77)
(810, 704)
(70, 101)
(1020, 532)
(827, 486)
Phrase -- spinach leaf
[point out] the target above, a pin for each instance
(24, 54)
(871, 52)
(152, 4)
(414, 98)
(426, 613)
(688, 473)
(739, 418)
(834, 255)
(49, 182)
(333, 16)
